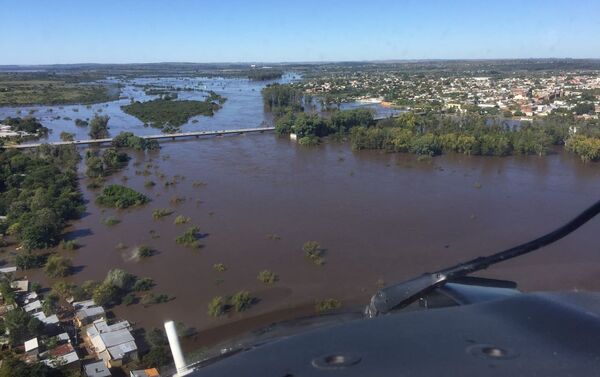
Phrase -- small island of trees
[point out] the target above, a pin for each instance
(169, 114)
(117, 196)
(263, 74)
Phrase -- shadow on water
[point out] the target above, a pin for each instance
(78, 233)
(77, 269)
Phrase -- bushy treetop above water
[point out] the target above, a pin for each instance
(117, 196)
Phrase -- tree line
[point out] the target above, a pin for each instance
(480, 135)
(310, 127)
(282, 98)
(433, 134)
(39, 194)
(262, 74)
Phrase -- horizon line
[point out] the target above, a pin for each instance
(299, 62)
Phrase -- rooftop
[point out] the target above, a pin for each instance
(83, 304)
(152, 372)
(51, 320)
(62, 355)
(90, 311)
(31, 344)
(97, 369)
(20, 285)
(62, 360)
(33, 306)
(115, 339)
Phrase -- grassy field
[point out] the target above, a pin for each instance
(16, 91)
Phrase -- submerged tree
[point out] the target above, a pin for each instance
(99, 127)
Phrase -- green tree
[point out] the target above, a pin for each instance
(156, 338)
(157, 357)
(67, 136)
(7, 292)
(22, 326)
(58, 266)
(50, 304)
(118, 196)
(40, 229)
(216, 306)
(119, 278)
(241, 301)
(13, 366)
(106, 295)
(99, 127)
(27, 260)
(129, 140)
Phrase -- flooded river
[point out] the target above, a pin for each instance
(380, 217)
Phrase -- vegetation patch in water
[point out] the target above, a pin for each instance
(99, 127)
(81, 123)
(117, 196)
(105, 163)
(144, 251)
(314, 252)
(181, 220)
(111, 221)
(167, 114)
(327, 305)
(69, 245)
(219, 267)
(159, 213)
(67, 136)
(267, 277)
(216, 306)
(238, 302)
(129, 140)
(58, 266)
(152, 299)
(189, 238)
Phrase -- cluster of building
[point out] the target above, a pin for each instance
(7, 131)
(514, 95)
(83, 330)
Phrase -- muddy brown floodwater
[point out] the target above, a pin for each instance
(379, 216)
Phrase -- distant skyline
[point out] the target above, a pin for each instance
(127, 31)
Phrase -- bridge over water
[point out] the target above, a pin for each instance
(148, 137)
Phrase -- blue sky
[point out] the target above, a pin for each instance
(125, 31)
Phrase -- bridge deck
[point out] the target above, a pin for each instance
(147, 137)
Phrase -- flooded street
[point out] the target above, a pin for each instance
(380, 217)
